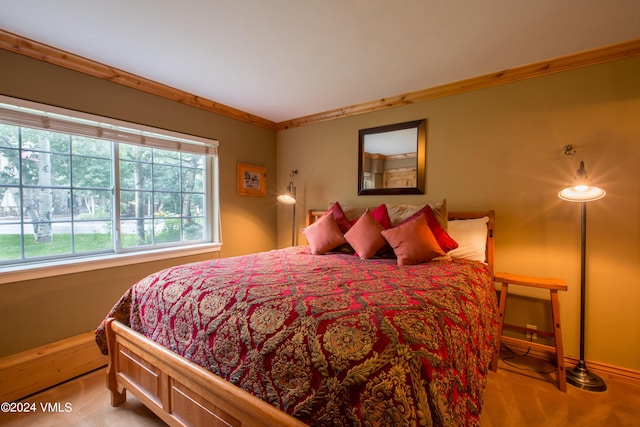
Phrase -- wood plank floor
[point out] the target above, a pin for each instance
(515, 396)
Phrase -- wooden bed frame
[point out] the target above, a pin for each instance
(182, 393)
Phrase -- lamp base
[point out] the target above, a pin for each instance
(581, 377)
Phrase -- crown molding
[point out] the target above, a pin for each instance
(537, 69)
(52, 55)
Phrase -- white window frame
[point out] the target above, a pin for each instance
(20, 112)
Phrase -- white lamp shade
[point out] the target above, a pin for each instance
(582, 193)
(287, 199)
(289, 196)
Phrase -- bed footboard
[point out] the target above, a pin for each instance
(177, 390)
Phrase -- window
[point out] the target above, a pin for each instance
(80, 185)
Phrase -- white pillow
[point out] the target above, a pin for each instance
(471, 235)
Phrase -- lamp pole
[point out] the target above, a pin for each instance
(289, 198)
(582, 192)
(293, 218)
(580, 376)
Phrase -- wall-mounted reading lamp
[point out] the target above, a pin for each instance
(289, 198)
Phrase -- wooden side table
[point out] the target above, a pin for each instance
(553, 285)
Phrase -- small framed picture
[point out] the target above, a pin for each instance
(252, 180)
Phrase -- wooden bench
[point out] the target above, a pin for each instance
(553, 285)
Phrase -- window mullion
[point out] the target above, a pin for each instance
(115, 197)
(72, 218)
(21, 161)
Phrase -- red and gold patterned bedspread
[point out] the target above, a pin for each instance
(332, 339)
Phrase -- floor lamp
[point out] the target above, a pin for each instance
(289, 198)
(582, 193)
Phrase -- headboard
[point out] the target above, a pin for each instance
(313, 215)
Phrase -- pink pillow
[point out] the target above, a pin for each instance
(442, 237)
(365, 236)
(323, 235)
(339, 216)
(413, 242)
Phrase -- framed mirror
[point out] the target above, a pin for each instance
(392, 159)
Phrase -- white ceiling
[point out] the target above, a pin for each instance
(284, 59)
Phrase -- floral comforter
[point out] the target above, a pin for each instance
(332, 340)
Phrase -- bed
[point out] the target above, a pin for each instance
(292, 338)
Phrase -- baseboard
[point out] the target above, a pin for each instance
(599, 368)
(36, 369)
(605, 370)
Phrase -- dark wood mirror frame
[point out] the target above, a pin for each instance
(420, 151)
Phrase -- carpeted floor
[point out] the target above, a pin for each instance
(515, 396)
(518, 395)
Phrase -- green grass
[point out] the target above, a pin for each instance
(60, 245)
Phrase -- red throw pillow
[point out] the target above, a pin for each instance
(365, 236)
(413, 242)
(381, 215)
(340, 217)
(323, 235)
(444, 240)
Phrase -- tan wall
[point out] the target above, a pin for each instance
(37, 312)
(501, 148)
